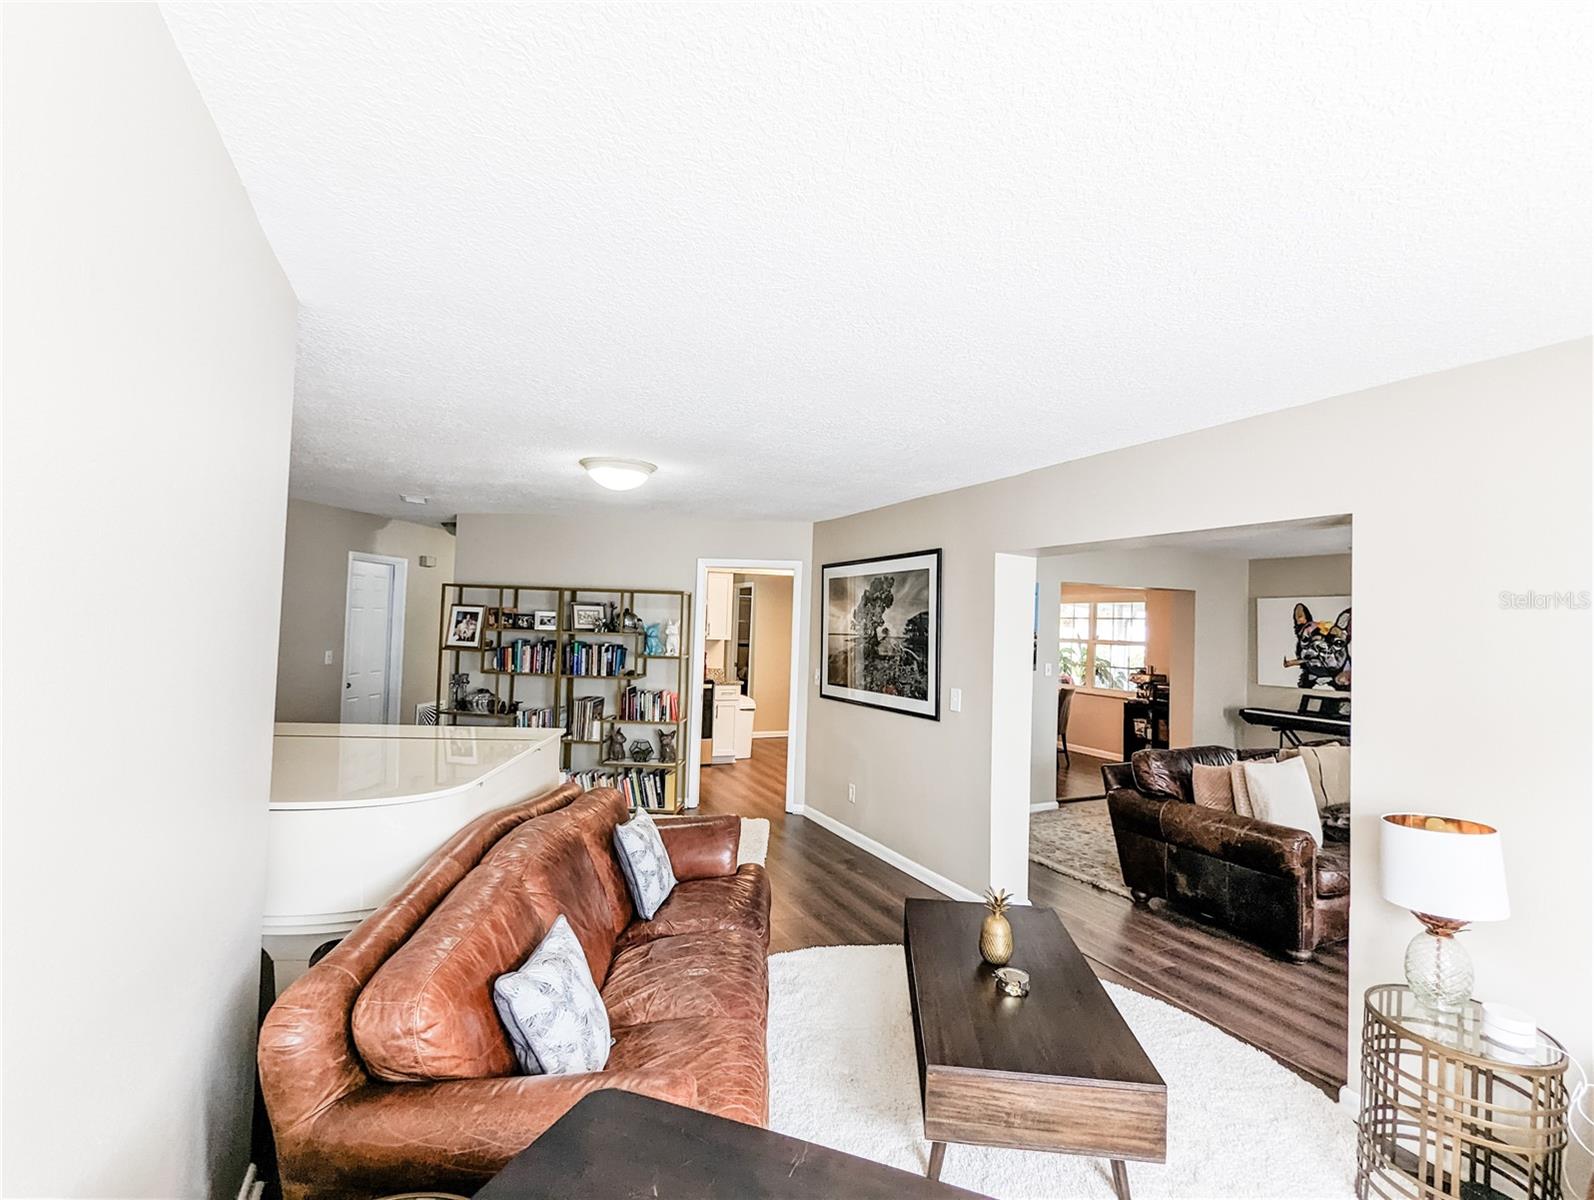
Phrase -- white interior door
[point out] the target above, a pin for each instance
(368, 682)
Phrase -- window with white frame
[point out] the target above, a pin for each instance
(1100, 643)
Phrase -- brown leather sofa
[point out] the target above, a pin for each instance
(1270, 883)
(385, 1068)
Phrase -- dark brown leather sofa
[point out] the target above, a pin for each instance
(385, 1068)
(1267, 882)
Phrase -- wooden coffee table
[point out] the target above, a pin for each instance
(1057, 1070)
(615, 1144)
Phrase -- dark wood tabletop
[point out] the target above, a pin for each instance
(1056, 1070)
(619, 1146)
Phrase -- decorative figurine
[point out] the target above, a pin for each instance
(642, 750)
(672, 637)
(457, 683)
(630, 622)
(1010, 981)
(996, 934)
(667, 744)
(654, 642)
(614, 745)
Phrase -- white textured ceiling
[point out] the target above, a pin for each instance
(812, 259)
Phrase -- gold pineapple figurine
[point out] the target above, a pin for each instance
(996, 933)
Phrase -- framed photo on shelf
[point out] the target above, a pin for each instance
(464, 627)
(882, 633)
(545, 620)
(587, 617)
(492, 618)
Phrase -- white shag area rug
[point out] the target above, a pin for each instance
(754, 844)
(842, 1072)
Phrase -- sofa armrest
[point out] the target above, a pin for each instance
(378, 1135)
(701, 847)
(1132, 812)
(1244, 841)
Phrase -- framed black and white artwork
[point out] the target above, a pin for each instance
(882, 633)
(464, 627)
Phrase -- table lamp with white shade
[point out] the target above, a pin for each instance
(1449, 872)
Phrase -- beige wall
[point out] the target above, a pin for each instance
(1196, 624)
(771, 650)
(1310, 575)
(148, 378)
(315, 576)
(1463, 485)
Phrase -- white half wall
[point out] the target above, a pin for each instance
(148, 378)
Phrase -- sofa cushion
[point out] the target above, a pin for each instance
(644, 862)
(736, 903)
(1211, 787)
(551, 1009)
(693, 975)
(728, 1060)
(427, 1014)
(1281, 794)
(1166, 773)
(1333, 870)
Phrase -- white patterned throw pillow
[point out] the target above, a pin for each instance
(645, 863)
(551, 1008)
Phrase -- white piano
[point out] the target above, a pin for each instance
(355, 809)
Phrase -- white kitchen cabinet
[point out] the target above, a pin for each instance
(727, 700)
(719, 613)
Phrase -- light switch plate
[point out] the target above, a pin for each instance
(1048, 668)
(329, 658)
(957, 699)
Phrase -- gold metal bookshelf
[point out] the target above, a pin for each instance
(515, 691)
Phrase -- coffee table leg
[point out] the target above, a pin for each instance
(1120, 1179)
(937, 1153)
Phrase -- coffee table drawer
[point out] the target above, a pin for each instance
(1045, 1114)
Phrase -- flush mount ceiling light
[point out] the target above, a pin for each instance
(408, 498)
(618, 474)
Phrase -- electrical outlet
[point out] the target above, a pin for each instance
(329, 658)
(1048, 668)
(957, 699)
(852, 793)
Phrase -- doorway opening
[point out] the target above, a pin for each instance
(748, 651)
(373, 639)
(1164, 667)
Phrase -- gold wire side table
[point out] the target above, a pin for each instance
(1447, 1114)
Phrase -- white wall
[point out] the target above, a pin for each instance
(315, 577)
(1462, 485)
(148, 376)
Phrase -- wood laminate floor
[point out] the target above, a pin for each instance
(1079, 777)
(827, 892)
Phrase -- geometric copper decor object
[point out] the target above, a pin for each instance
(1447, 1114)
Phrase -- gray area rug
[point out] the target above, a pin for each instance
(1077, 841)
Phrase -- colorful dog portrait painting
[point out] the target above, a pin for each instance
(1303, 642)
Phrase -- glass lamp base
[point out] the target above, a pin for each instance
(1439, 971)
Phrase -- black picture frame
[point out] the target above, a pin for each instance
(841, 668)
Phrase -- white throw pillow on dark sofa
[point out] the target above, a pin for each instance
(645, 863)
(551, 1008)
(1281, 792)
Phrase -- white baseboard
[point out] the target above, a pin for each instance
(887, 855)
(1043, 806)
(780, 733)
(1095, 752)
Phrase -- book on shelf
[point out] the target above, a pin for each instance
(640, 704)
(586, 713)
(523, 657)
(537, 718)
(642, 787)
(595, 658)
